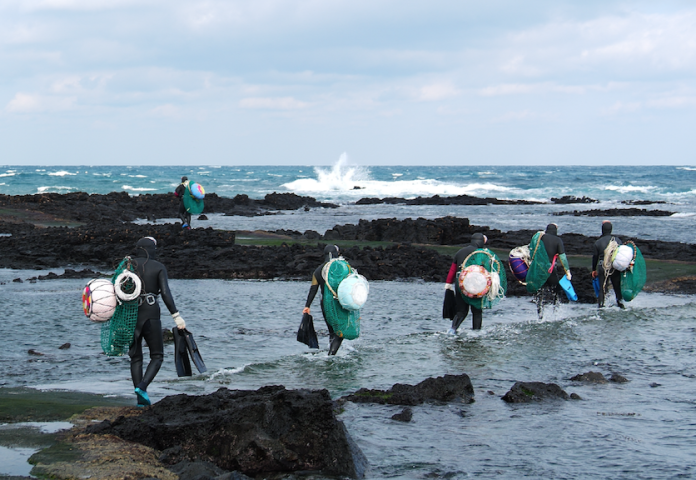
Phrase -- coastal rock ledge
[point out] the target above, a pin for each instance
(269, 430)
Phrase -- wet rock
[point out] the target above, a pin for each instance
(197, 470)
(655, 385)
(18, 280)
(202, 217)
(589, 377)
(616, 378)
(438, 200)
(259, 432)
(441, 389)
(617, 212)
(36, 353)
(404, 416)
(575, 396)
(167, 335)
(65, 346)
(527, 392)
(568, 199)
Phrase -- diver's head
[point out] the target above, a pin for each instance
(478, 240)
(606, 227)
(552, 229)
(330, 251)
(184, 179)
(146, 247)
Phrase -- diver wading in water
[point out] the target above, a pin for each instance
(558, 260)
(149, 326)
(478, 240)
(318, 282)
(598, 271)
(184, 215)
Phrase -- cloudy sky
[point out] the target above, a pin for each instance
(399, 82)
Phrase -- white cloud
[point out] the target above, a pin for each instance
(269, 103)
(437, 91)
(31, 103)
(166, 111)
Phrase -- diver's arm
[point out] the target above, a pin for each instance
(166, 293)
(450, 276)
(312, 293)
(564, 262)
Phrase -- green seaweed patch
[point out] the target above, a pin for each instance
(527, 392)
(59, 452)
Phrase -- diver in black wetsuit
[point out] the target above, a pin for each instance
(598, 266)
(478, 240)
(556, 252)
(318, 282)
(183, 214)
(149, 327)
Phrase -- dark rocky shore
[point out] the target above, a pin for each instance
(108, 236)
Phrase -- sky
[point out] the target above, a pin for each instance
(273, 82)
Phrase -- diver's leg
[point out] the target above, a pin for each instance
(602, 287)
(182, 213)
(188, 219)
(334, 340)
(616, 283)
(136, 360)
(476, 318)
(152, 333)
(462, 312)
(539, 300)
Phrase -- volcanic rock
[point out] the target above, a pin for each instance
(589, 377)
(269, 430)
(441, 389)
(527, 392)
(617, 212)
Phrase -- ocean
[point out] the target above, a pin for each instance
(645, 428)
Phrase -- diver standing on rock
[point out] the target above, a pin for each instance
(184, 215)
(598, 271)
(318, 282)
(149, 326)
(478, 240)
(558, 266)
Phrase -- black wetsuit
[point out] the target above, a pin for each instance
(183, 214)
(149, 327)
(318, 282)
(597, 265)
(477, 241)
(554, 246)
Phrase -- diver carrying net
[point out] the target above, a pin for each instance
(634, 277)
(539, 264)
(117, 333)
(192, 204)
(345, 323)
(482, 266)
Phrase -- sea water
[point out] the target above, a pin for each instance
(645, 428)
(344, 184)
(245, 330)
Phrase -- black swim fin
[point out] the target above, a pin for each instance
(306, 333)
(193, 351)
(181, 358)
(449, 305)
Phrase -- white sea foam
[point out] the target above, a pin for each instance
(690, 169)
(62, 173)
(630, 188)
(226, 372)
(683, 214)
(343, 179)
(53, 188)
(7, 174)
(137, 176)
(140, 189)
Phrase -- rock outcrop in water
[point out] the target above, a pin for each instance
(270, 430)
(441, 389)
(527, 392)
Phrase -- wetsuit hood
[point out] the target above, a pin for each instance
(552, 229)
(184, 179)
(478, 240)
(606, 227)
(330, 251)
(146, 247)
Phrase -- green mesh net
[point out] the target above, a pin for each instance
(539, 266)
(192, 205)
(490, 261)
(633, 278)
(117, 333)
(345, 323)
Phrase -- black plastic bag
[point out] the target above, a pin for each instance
(306, 333)
(449, 305)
